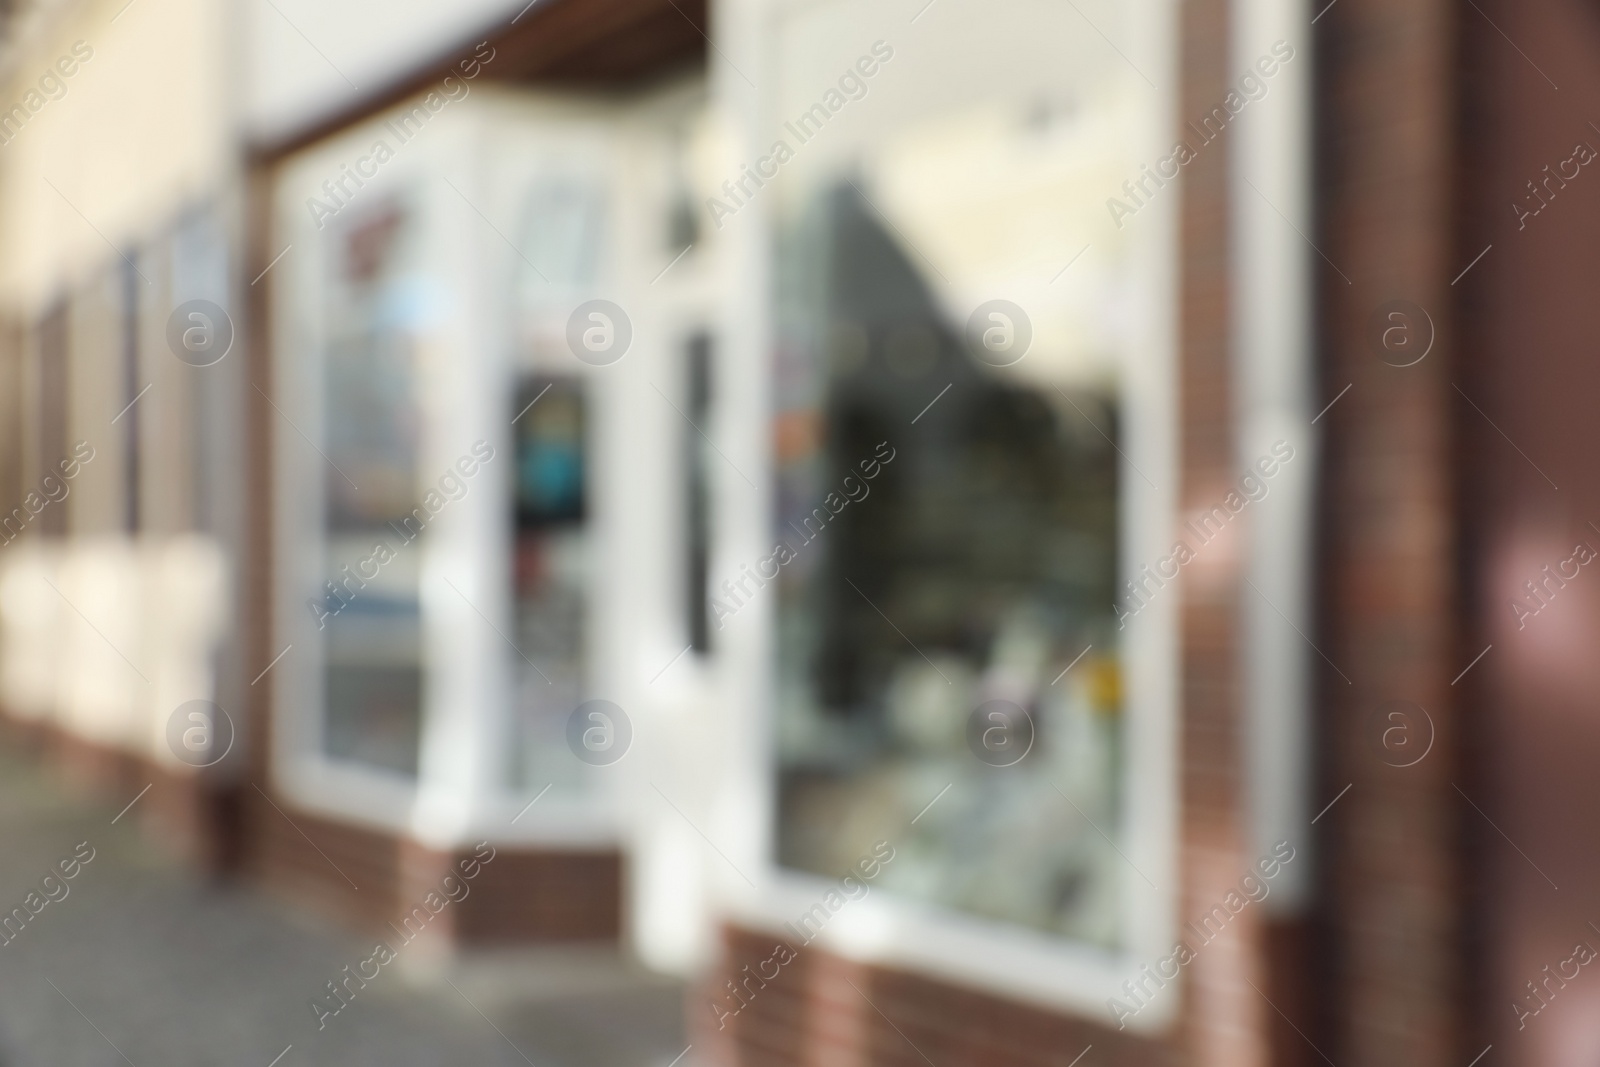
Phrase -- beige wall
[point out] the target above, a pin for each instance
(141, 129)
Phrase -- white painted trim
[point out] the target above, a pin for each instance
(351, 793)
(1271, 200)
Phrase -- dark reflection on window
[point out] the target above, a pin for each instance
(53, 385)
(132, 438)
(942, 558)
(697, 494)
(550, 456)
(551, 561)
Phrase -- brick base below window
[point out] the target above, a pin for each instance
(826, 1011)
(522, 895)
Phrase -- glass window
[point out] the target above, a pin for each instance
(371, 428)
(949, 497)
(53, 405)
(940, 565)
(697, 465)
(564, 223)
(127, 342)
(551, 562)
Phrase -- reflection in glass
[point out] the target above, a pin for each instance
(551, 562)
(371, 427)
(942, 557)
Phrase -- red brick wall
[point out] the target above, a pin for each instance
(1224, 1019)
(371, 877)
(1528, 327)
(824, 1011)
(1390, 856)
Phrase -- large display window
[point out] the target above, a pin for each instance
(972, 451)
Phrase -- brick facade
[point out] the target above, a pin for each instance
(825, 1011)
(370, 878)
(1390, 857)
(1528, 490)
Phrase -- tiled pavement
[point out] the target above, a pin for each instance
(143, 963)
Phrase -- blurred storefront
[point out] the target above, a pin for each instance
(791, 411)
(857, 503)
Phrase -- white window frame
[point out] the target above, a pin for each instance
(1273, 385)
(1007, 959)
(455, 798)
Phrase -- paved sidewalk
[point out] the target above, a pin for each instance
(141, 963)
